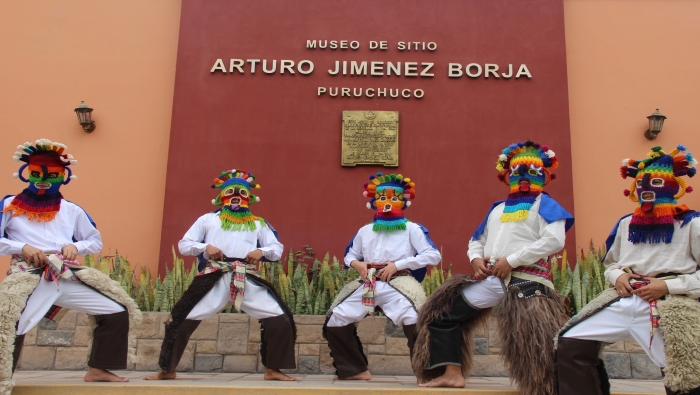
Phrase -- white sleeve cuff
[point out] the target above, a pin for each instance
(401, 264)
(675, 286)
(15, 246)
(513, 260)
(613, 274)
(265, 251)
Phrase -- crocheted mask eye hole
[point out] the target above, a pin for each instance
(233, 191)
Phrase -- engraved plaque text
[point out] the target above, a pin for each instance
(370, 138)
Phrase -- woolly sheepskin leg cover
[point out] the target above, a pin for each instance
(526, 327)
(680, 323)
(605, 299)
(438, 304)
(14, 292)
(411, 289)
(113, 290)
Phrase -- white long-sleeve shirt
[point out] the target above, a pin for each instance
(71, 222)
(408, 249)
(680, 256)
(234, 244)
(521, 242)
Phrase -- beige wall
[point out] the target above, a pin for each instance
(118, 56)
(625, 59)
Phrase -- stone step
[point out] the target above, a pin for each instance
(217, 383)
(264, 388)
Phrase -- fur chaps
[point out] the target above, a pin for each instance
(14, 293)
(605, 299)
(255, 277)
(526, 327)
(200, 286)
(438, 304)
(101, 283)
(680, 323)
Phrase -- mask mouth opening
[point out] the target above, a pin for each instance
(235, 201)
(647, 196)
(524, 185)
(387, 208)
(42, 185)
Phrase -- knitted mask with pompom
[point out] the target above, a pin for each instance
(525, 168)
(48, 167)
(656, 186)
(234, 199)
(390, 194)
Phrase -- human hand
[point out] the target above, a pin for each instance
(361, 268)
(622, 284)
(33, 255)
(214, 253)
(388, 271)
(502, 268)
(254, 256)
(69, 252)
(480, 269)
(654, 291)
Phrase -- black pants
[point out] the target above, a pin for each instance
(446, 334)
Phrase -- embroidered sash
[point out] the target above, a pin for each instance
(239, 268)
(369, 288)
(57, 268)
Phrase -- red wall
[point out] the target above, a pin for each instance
(278, 128)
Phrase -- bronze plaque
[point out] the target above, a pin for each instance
(370, 138)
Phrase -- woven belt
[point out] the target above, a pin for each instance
(653, 310)
(369, 288)
(238, 267)
(55, 269)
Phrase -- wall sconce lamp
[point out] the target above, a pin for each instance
(656, 122)
(84, 114)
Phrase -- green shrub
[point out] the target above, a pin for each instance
(585, 282)
(309, 286)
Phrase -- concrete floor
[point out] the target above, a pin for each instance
(70, 382)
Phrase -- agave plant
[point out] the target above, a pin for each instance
(309, 285)
(307, 290)
(585, 282)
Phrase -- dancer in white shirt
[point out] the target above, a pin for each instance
(652, 260)
(391, 255)
(231, 242)
(509, 253)
(44, 234)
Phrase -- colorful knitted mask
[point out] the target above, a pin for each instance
(525, 168)
(657, 184)
(47, 166)
(234, 199)
(390, 195)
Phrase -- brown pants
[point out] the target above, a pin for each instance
(110, 343)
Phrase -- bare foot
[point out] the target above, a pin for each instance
(360, 376)
(452, 378)
(275, 374)
(94, 374)
(162, 375)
